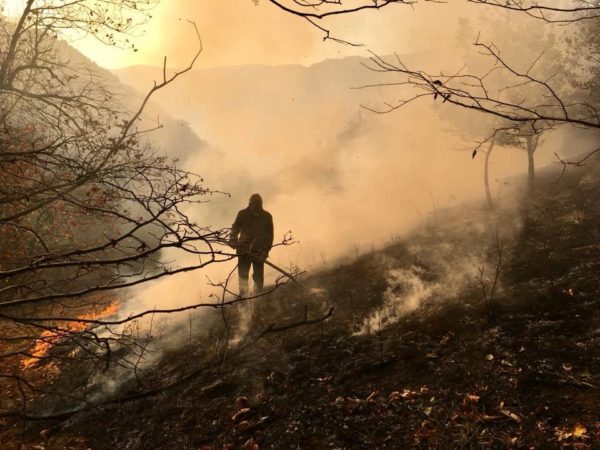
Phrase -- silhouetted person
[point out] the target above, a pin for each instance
(252, 237)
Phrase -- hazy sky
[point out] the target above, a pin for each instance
(241, 32)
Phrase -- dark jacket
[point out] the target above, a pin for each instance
(252, 232)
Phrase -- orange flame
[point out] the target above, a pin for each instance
(49, 337)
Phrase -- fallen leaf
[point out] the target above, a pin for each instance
(472, 398)
(240, 413)
(250, 444)
(488, 418)
(372, 396)
(446, 339)
(510, 415)
(562, 434)
(323, 379)
(579, 430)
(407, 393)
(243, 425)
(489, 357)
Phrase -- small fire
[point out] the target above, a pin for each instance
(50, 337)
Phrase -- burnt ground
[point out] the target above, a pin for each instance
(519, 371)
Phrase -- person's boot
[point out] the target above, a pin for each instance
(243, 286)
(258, 286)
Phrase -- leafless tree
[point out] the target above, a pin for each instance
(553, 12)
(527, 98)
(520, 137)
(77, 166)
(88, 206)
(317, 12)
(543, 107)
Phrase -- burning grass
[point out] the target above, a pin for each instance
(50, 338)
(32, 354)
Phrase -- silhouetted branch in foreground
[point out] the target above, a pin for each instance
(554, 12)
(541, 106)
(273, 328)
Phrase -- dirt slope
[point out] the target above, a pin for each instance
(442, 369)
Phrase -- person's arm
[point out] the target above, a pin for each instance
(236, 228)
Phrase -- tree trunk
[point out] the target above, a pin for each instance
(531, 146)
(486, 180)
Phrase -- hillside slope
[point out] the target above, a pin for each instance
(412, 357)
(172, 136)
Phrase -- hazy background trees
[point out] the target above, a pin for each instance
(526, 85)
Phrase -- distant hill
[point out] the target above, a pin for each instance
(175, 137)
